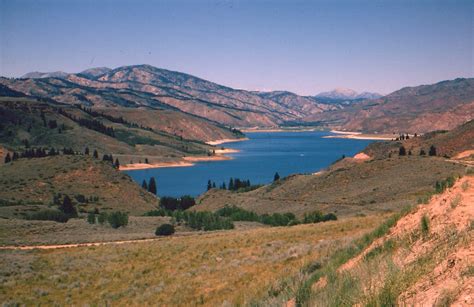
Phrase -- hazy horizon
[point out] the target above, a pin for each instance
(302, 47)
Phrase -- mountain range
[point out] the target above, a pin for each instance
(443, 105)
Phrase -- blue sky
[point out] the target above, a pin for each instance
(302, 46)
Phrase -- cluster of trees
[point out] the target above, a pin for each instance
(92, 124)
(65, 211)
(402, 137)
(224, 218)
(150, 186)
(403, 152)
(38, 153)
(118, 120)
(235, 184)
(173, 204)
(275, 219)
(110, 158)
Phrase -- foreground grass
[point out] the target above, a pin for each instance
(212, 268)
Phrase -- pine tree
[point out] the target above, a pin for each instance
(8, 159)
(231, 184)
(209, 185)
(86, 151)
(422, 152)
(67, 207)
(432, 151)
(402, 151)
(96, 154)
(144, 185)
(152, 185)
(276, 177)
(117, 163)
(146, 161)
(15, 156)
(213, 185)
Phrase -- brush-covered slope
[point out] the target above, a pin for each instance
(49, 124)
(349, 187)
(425, 259)
(456, 143)
(440, 106)
(145, 85)
(29, 185)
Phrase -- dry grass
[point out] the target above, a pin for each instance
(211, 268)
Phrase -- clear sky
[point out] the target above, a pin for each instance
(302, 46)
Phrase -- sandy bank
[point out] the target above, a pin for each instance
(222, 141)
(136, 166)
(360, 136)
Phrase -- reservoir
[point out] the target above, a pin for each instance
(257, 160)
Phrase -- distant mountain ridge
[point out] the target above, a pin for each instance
(145, 85)
(440, 106)
(345, 95)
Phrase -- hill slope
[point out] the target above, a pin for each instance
(29, 185)
(440, 106)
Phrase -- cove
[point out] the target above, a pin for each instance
(259, 158)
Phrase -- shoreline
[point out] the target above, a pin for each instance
(222, 141)
(255, 130)
(360, 136)
(184, 162)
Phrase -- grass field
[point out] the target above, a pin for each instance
(216, 268)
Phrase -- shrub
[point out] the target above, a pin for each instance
(425, 225)
(102, 218)
(164, 230)
(118, 219)
(49, 215)
(91, 218)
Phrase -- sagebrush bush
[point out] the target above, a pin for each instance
(118, 219)
(165, 230)
(49, 215)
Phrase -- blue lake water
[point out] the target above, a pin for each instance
(258, 160)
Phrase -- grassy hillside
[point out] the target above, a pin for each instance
(219, 268)
(49, 124)
(347, 188)
(447, 143)
(29, 185)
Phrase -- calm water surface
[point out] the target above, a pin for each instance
(258, 160)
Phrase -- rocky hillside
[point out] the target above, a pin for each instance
(145, 85)
(440, 106)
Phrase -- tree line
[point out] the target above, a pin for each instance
(403, 152)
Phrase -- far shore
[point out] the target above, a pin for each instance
(360, 136)
(222, 141)
(255, 130)
(220, 155)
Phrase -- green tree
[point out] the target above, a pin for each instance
(432, 151)
(422, 152)
(8, 159)
(276, 177)
(231, 184)
(152, 185)
(402, 151)
(117, 163)
(209, 185)
(67, 207)
(96, 154)
(86, 151)
(144, 185)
